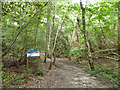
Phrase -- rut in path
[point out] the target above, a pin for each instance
(67, 74)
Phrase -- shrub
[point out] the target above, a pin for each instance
(75, 52)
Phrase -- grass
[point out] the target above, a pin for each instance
(105, 70)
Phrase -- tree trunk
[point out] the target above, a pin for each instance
(78, 43)
(53, 37)
(54, 59)
(48, 36)
(0, 46)
(45, 57)
(59, 29)
(48, 31)
(86, 39)
(72, 38)
(119, 42)
(36, 36)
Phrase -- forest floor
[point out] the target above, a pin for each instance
(66, 74)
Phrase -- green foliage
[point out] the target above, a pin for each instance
(75, 52)
(105, 74)
(19, 79)
(62, 46)
(101, 26)
(40, 72)
(98, 32)
(104, 71)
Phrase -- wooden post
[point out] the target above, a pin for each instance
(39, 61)
(27, 63)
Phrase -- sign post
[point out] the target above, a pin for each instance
(27, 62)
(33, 53)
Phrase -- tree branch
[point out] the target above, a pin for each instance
(105, 50)
(59, 29)
(106, 57)
(21, 29)
(81, 5)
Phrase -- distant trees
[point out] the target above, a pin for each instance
(70, 29)
(21, 29)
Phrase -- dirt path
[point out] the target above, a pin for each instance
(67, 74)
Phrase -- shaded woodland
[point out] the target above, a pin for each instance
(87, 34)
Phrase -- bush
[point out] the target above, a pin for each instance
(40, 72)
(62, 46)
(75, 52)
(16, 79)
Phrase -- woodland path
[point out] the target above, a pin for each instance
(67, 74)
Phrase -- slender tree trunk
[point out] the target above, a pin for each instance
(36, 36)
(45, 57)
(59, 29)
(46, 45)
(48, 32)
(53, 32)
(78, 42)
(57, 33)
(25, 46)
(1, 80)
(50, 53)
(77, 35)
(54, 60)
(53, 36)
(72, 38)
(13, 45)
(48, 36)
(86, 39)
(119, 42)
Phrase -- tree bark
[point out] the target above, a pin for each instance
(48, 31)
(59, 29)
(86, 39)
(36, 31)
(53, 36)
(119, 43)
(1, 80)
(78, 42)
(72, 38)
(48, 34)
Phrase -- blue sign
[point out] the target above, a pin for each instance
(33, 52)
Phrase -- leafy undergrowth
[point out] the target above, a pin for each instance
(17, 77)
(105, 70)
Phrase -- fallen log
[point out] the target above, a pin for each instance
(105, 50)
(106, 57)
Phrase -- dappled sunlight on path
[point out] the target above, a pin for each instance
(67, 74)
